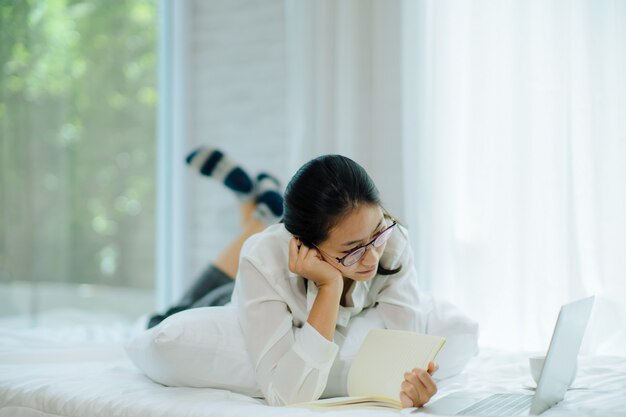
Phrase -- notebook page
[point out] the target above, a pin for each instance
(384, 357)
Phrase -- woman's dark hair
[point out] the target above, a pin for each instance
(322, 193)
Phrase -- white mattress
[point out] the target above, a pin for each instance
(80, 372)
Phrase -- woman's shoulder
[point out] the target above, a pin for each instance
(269, 248)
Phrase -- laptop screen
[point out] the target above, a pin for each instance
(561, 360)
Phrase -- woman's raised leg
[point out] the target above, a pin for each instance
(260, 204)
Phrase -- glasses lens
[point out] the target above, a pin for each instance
(383, 237)
(354, 257)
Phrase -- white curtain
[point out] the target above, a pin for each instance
(342, 56)
(498, 129)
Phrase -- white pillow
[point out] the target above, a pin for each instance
(201, 347)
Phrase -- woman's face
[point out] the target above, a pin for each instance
(356, 229)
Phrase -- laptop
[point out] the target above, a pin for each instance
(558, 369)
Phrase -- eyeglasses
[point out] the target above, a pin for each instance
(356, 254)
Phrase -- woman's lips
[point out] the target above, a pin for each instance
(369, 271)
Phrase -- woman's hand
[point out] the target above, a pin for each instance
(308, 262)
(418, 386)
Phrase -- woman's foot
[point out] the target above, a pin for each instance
(268, 198)
(214, 163)
(264, 193)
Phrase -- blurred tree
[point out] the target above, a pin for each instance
(77, 152)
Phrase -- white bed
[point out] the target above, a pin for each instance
(84, 372)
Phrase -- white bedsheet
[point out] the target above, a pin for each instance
(61, 374)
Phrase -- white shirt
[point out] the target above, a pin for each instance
(292, 361)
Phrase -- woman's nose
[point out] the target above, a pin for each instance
(371, 256)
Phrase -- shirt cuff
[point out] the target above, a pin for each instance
(317, 351)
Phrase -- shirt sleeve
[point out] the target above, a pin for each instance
(403, 307)
(291, 364)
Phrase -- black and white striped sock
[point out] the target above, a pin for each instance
(214, 163)
(269, 199)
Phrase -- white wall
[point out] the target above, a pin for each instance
(235, 100)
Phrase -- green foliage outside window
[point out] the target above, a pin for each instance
(78, 141)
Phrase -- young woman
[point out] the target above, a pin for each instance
(336, 257)
(310, 287)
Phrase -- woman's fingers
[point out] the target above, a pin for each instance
(297, 255)
(302, 250)
(432, 367)
(418, 386)
(410, 391)
(308, 262)
(406, 400)
(427, 381)
(301, 257)
(293, 254)
(313, 255)
(414, 379)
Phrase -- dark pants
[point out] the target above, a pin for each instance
(213, 288)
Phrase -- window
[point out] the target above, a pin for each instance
(78, 146)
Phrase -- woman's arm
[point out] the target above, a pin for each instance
(291, 364)
(308, 263)
(323, 314)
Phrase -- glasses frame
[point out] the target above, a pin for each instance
(343, 258)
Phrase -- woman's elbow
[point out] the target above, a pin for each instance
(293, 394)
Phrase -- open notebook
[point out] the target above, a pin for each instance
(378, 370)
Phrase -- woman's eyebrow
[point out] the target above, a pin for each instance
(359, 241)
